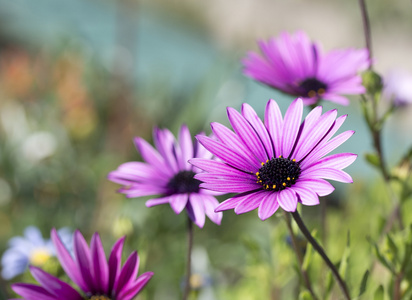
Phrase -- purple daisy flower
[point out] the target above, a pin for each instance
(297, 66)
(168, 173)
(276, 163)
(398, 87)
(97, 278)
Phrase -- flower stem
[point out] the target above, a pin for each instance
(376, 131)
(366, 28)
(189, 258)
(299, 256)
(322, 253)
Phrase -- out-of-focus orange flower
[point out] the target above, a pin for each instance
(16, 73)
(79, 115)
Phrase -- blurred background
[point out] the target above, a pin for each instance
(80, 78)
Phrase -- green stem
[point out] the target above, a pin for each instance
(366, 28)
(187, 287)
(322, 253)
(299, 256)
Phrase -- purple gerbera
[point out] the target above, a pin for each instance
(168, 173)
(276, 163)
(98, 278)
(297, 66)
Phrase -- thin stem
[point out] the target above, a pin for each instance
(299, 256)
(322, 253)
(397, 295)
(189, 258)
(376, 131)
(366, 28)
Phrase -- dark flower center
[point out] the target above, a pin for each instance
(278, 173)
(312, 87)
(99, 297)
(183, 182)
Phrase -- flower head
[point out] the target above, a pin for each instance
(31, 249)
(167, 173)
(398, 88)
(297, 66)
(278, 162)
(97, 278)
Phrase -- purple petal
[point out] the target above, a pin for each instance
(230, 187)
(157, 201)
(140, 171)
(337, 99)
(217, 178)
(247, 134)
(227, 155)
(127, 274)
(291, 123)
(34, 292)
(100, 268)
(307, 126)
(268, 206)
(115, 260)
(150, 155)
(186, 146)
(196, 201)
(257, 124)
(67, 263)
(231, 140)
(165, 144)
(250, 202)
(83, 259)
(231, 203)
(210, 203)
(136, 286)
(54, 286)
(178, 202)
(287, 200)
(306, 196)
(319, 186)
(312, 137)
(335, 161)
(317, 153)
(327, 173)
(212, 166)
(139, 190)
(274, 124)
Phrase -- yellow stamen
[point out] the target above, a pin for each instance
(284, 184)
(39, 257)
(274, 186)
(267, 160)
(257, 173)
(262, 163)
(321, 91)
(293, 160)
(288, 178)
(280, 156)
(311, 93)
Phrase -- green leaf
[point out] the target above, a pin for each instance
(392, 247)
(407, 257)
(381, 258)
(364, 282)
(305, 295)
(309, 253)
(379, 293)
(343, 266)
(329, 284)
(373, 159)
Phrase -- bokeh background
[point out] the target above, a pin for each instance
(80, 78)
